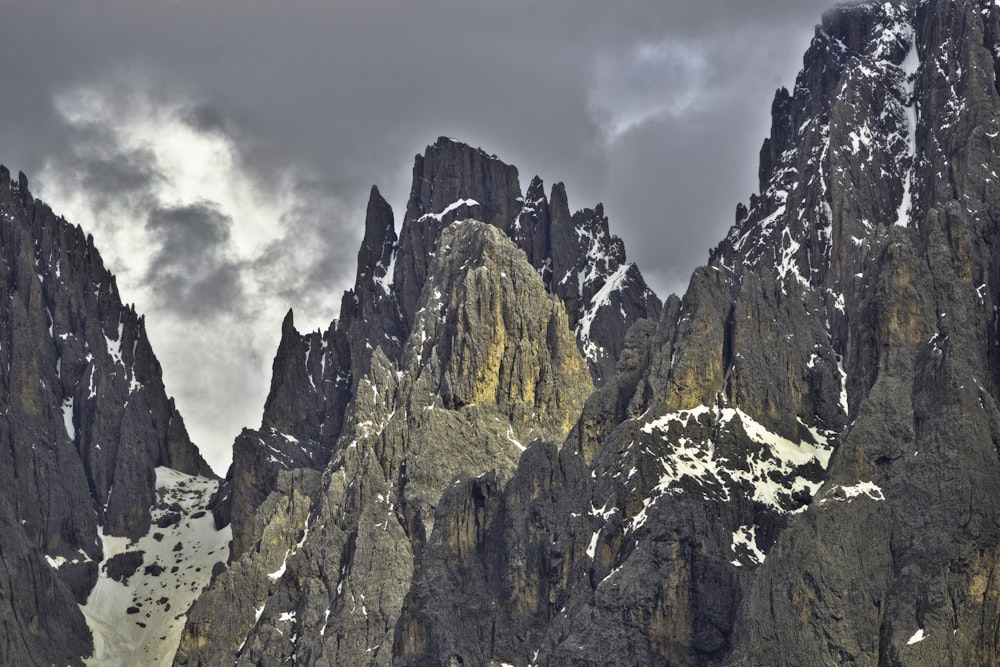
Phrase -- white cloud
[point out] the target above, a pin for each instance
(139, 163)
(194, 164)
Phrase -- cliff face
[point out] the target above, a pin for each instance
(453, 352)
(85, 422)
(911, 494)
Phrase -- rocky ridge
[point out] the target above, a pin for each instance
(317, 377)
(85, 422)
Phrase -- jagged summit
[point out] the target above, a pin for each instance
(575, 254)
(378, 249)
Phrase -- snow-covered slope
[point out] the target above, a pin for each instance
(138, 607)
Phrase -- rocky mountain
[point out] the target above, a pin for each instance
(795, 463)
(507, 450)
(88, 435)
(453, 352)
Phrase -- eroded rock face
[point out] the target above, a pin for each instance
(920, 354)
(491, 363)
(85, 420)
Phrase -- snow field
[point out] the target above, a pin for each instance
(137, 619)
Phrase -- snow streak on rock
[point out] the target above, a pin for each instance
(777, 472)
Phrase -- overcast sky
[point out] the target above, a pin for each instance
(221, 151)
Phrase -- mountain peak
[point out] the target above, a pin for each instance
(378, 248)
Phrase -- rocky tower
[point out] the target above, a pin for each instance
(454, 350)
(577, 258)
(84, 420)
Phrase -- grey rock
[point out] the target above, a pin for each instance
(490, 363)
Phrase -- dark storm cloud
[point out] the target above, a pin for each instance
(123, 173)
(189, 270)
(188, 232)
(206, 118)
(356, 87)
(115, 178)
(218, 289)
(92, 159)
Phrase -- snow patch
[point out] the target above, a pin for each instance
(746, 537)
(326, 617)
(67, 412)
(448, 209)
(92, 390)
(514, 441)
(909, 66)
(277, 574)
(602, 512)
(787, 264)
(592, 548)
(385, 281)
(614, 283)
(681, 416)
(838, 492)
(843, 384)
(128, 618)
(769, 475)
(58, 561)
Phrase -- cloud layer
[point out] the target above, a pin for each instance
(221, 151)
(213, 251)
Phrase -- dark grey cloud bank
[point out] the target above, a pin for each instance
(194, 276)
(657, 109)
